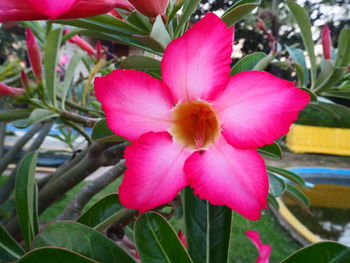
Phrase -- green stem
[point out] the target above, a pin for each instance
(118, 216)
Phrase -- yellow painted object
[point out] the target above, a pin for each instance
(326, 195)
(313, 139)
(296, 224)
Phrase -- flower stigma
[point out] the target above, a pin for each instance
(195, 124)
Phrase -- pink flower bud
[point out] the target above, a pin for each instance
(9, 91)
(260, 24)
(24, 79)
(182, 238)
(150, 8)
(82, 43)
(326, 42)
(34, 54)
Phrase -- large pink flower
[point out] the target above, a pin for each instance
(198, 126)
(263, 249)
(19, 10)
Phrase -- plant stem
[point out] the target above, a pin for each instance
(72, 211)
(89, 122)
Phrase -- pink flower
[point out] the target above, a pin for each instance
(82, 43)
(263, 249)
(326, 42)
(9, 91)
(150, 8)
(20, 10)
(34, 54)
(198, 126)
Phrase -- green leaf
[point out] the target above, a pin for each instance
(303, 22)
(12, 115)
(10, 250)
(159, 37)
(101, 132)
(276, 185)
(52, 45)
(313, 96)
(272, 200)
(247, 63)
(71, 70)
(208, 229)
(39, 115)
(141, 63)
(25, 196)
(298, 195)
(83, 240)
(239, 10)
(321, 252)
(140, 21)
(298, 57)
(337, 94)
(327, 70)
(54, 255)
(287, 174)
(101, 210)
(343, 54)
(271, 150)
(187, 10)
(156, 240)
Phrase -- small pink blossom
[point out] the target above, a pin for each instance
(182, 238)
(9, 91)
(263, 249)
(198, 126)
(82, 43)
(326, 42)
(34, 54)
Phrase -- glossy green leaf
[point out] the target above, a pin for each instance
(25, 196)
(298, 57)
(69, 76)
(101, 210)
(159, 37)
(12, 115)
(10, 250)
(208, 229)
(303, 22)
(271, 150)
(187, 10)
(287, 174)
(247, 63)
(343, 54)
(156, 240)
(141, 63)
(54, 255)
(39, 115)
(101, 132)
(53, 43)
(336, 77)
(298, 195)
(276, 185)
(321, 252)
(140, 21)
(300, 74)
(83, 240)
(239, 10)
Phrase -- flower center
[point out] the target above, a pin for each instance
(195, 124)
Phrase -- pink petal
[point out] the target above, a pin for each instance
(134, 103)
(150, 8)
(52, 9)
(155, 172)
(263, 249)
(197, 65)
(227, 176)
(256, 108)
(21, 10)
